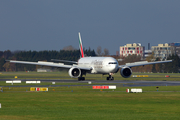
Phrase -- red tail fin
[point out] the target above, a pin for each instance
(80, 46)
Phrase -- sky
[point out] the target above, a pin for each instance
(54, 24)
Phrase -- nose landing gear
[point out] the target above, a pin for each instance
(110, 77)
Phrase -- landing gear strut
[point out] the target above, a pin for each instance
(110, 77)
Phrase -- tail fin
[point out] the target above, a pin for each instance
(80, 46)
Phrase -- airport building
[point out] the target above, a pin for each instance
(162, 51)
(132, 49)
(177, 47)
(147, 53)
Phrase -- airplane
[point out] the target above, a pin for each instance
(93, 65)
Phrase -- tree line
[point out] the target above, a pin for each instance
(34, 56)
(74, 55)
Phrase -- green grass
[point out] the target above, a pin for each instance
(84, 103)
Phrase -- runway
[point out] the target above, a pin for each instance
(123, 83)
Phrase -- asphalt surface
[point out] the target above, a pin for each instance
(128, 83)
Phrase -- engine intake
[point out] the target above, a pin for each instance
(126, 72)
(74, 72)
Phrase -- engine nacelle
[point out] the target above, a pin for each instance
(74, 72)
(126, 72)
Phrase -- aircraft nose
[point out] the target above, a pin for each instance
(113, 68)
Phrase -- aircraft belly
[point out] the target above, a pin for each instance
(99, 70)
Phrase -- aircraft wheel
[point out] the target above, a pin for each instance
(112, 78)
(81, 78)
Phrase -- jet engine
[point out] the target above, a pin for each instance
(126, 72)
(74, 72)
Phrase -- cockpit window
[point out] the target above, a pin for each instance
(112, 63)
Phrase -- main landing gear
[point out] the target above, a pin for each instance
(110, 77)
(81, 78)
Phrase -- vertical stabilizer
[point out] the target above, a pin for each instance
(80, 46)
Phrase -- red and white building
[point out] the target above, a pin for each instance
(132, 49)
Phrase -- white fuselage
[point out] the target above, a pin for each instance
(100, 65)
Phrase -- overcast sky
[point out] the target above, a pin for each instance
(54, 24)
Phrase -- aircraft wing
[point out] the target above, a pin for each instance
(135, 64)
(51, 64)
(64, 61)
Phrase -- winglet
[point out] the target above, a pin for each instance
(80, 45)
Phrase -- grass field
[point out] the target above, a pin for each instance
(85, 103)
(82, 102)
